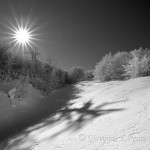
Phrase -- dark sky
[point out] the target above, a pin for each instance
(80, 32)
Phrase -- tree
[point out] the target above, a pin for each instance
(76, 74)
(120, 60)
(89, 74)
(144, 66)
(5, 58)
(104, 69)
(132, 68)
(139, 64)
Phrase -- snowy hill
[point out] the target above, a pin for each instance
(102, 116)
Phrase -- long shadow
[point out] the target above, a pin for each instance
(57, 103)
(85, 115)
(15, 120)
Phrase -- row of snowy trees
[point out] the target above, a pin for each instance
(44, 76)
(139, 65)
(123, 65)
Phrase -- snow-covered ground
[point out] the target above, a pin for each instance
(104, 116)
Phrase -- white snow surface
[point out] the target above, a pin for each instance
(105, 116)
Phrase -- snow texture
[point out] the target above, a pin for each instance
(104, 116)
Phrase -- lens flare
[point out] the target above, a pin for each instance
(22, 34)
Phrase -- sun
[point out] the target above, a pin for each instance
(22, 36)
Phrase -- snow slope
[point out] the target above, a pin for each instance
(104, 116)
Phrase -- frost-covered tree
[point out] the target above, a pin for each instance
(132, 68)
(104, 69)
(144, 66)
(139, 64)
(120, 59)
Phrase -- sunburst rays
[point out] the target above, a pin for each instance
(22, 33)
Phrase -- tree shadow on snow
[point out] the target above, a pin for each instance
(84, 115)
(60, 111)
(14, 120)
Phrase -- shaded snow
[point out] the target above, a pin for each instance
(105, 116)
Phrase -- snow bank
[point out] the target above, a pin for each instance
(105, 116)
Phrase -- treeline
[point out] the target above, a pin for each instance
(43, 76)
(79, 74)
(47, 76)
(123, 65)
